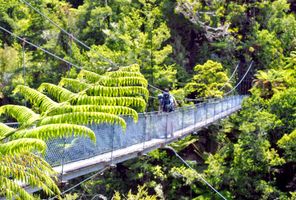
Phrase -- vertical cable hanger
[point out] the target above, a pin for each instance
(70, 51)
(24, 64)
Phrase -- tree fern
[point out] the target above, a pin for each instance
(131, 68)
(59, 93)
(99, 90)
(137, 103)
(116, 74)
(123, 81)
(51, 131)
(13, 190)
(35, 97)
(21, 113)
(117, 110)
(121, 92)
(21, 145)
(75, 85)
(4, 129)
(28, 169)
(92, 77)
(84, 118)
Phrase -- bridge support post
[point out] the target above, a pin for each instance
(206, 108)
(145, 131)
(215, 103)
(63, 159)
(195, 113)
(166, 122)
(112, 145)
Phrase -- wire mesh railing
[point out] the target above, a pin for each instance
(150, 126)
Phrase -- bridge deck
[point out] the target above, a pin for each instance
(82, 167)
(74, 157)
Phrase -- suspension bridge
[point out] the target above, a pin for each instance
(73, 157)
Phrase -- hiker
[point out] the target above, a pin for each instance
(167, 102)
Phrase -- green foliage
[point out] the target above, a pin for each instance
(273, 81)
(29, 169)
(208, 81)
(126, 91)
(288, 143)
(283, 105)
(117, 110)
(60, 120)
(182, 144)
(166, 45)
(75, 85)
(9, 62)
(84, 118)
(142, 194)
(136, 103)
(4, 129)
(59, 93)
(22, 114)
(50, 131)
(89, 76)
(36, 98)
(267, 45)
(22, 145)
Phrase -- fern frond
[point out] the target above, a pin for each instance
(4, 129)
(59, 93)
(137, 103)
(35, 97)
(123, 81)
(75, 85)
(21, 113)
(88, 75)
(116, 74)
(13, 190)
(22, 145)
(84, 118)
(28, 169)
(131, 68)
(52, 131)
(116, 110)
(99, 90)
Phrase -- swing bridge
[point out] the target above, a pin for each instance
(77, 156)
(73, 157)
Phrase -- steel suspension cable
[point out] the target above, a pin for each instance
(78, 184)
(200, 176)
(250, 66)
(66, 32)
(40, 48)
(232, 75)
(199, 99)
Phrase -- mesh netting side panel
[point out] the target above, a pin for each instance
(78, 148)
(54, 152)
(134, 134)
(158, 126)
(224, 105)
(200, 113)
(175, 121)
(188, 116)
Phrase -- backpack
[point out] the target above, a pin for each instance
(167, 103)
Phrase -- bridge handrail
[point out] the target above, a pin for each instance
(151, 126)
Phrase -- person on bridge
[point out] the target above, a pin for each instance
(167, 102)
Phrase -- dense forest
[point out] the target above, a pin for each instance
(191, 47)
